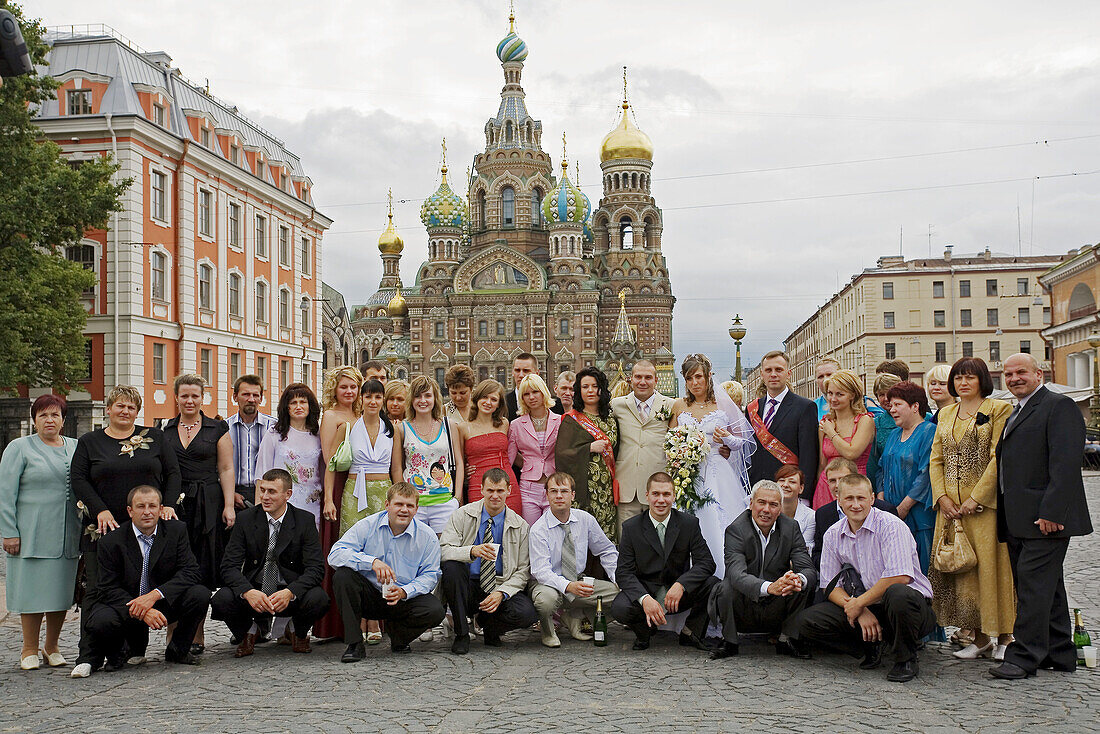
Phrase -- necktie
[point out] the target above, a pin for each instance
(568, 555)
(146, 546)
(271, 566)
(643, 410)
(1012, 418)
(661, 533)
(770, 412)
(488, 568)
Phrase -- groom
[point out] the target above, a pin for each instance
(785, 425)
(643, 421)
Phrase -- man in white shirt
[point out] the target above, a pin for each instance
(246, 430)
(560, 542)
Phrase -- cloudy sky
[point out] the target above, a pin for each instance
(795, 142)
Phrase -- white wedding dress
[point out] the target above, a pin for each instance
(718, 479)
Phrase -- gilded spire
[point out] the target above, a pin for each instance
(443, 168)
(511, 16)
(564, 160)
(390, 243)
(623, 332)
(626, 104)
(626, 140)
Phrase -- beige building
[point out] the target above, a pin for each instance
(927, 311)
(1073, 285)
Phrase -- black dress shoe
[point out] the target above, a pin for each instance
(688, 639)
(234, 640)
(491, 640)
(114, 662)
(461, 645)
(800, 649)
(903, 672)
(725, 650)
(400, 649)
(640, 644)
(184, 657)
(872, 657)
(354, 653)
(1010, 671)
(198, 649)
(1048, 664)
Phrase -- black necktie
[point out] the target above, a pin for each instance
(271, 566)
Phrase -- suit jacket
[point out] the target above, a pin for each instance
(1039, 469)
(461, 534)
(747, 568)
(513, 406)
(172, 565)
(645, 567)
(641, 449)
(827, 516)
(795, 425)
(297, 551)
(538, 461)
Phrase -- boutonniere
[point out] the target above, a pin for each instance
(138, 441)
(981, 419)
(81, 509)
(93, 532)
(663, 414)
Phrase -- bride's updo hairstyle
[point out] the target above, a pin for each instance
(694, 362)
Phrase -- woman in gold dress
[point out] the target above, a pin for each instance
(963, 468)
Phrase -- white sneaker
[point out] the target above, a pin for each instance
(137, 660)
(83, 670)
(427, 635)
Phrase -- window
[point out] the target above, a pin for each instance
(483, 373)
(439, 374)
(204, 137)
(235, 154)
(159, 115)
(307, 255)
(995, 351)
(157, 200)
(84, 256)
(1046, 315)
(508, 198)
(159, 267)
(536, 207)
(234, 366)
(888, 320)
(937, 289)
(1025, 346)
(234, 295)
(481, 206)
(968, 349)
(992, 317)
(483, 328)
(261, 368)
(284, 372)
(440, 329)
(991, 287)
(500, 376)
(284, 309)
(964, 289)
(284, 247)
(305, 316)
(206, 213)
(500, 328)
(996, 382)
(563, 327)
(887, 291)
(517, 327)
(261, 236)
(261, 302)
(1021, 286)
(1023, 316)
(261, 169)
(158, 363)
(939, 318)
(305, 373)
(941, 351)
(282, 181)
(80, 101)
(965, 317)
(204, 364)
(206, 287)
(891, 350)
(234, 225)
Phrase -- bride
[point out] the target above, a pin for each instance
(708, 407)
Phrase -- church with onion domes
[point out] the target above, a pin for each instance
(519, 261)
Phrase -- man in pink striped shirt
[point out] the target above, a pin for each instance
(889, 604)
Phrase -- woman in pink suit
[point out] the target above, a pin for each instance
(532, 436)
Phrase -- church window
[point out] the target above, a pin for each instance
(483, 328)
(500, 376)
(626, 233)
(508, 131)
(616, 182)
(500, 329)
(517, 327)
(563, 327)
(482, 373)
(634, 180)
(481, 208)
(440, 329)
(508, 198)
(536, 207)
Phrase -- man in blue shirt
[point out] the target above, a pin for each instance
(386, 567)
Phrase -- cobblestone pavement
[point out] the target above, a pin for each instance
(525, 687)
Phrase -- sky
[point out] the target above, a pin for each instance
(795, 142)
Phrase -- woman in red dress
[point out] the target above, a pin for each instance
(486, 441)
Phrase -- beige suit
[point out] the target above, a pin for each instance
(641, 450)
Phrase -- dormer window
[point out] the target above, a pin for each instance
(80, 101)
(204, 137)
(235, 154)
(260, 168)
(160, 115)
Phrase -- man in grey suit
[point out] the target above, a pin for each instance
(643, 422)
(769, 574)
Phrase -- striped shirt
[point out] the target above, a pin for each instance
(246, 439)
(884, 546)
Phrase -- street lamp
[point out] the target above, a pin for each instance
(1094, 410)
(737, 333)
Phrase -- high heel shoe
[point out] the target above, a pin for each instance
(54, 659)
(999, 652)
(973, 652)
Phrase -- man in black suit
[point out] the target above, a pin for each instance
(769, 576)
(785, 425)
(828, 515)
(1040, 505)
(664, 566)
(523, 365)
(273, 566)
(148, 579)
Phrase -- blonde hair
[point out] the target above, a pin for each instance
(735, 390)
(534, 382)
(332, 379)
(850, 383)
(883, 382)
(939, 373)
(127, 392)
(188, 379)
(418, 386)
(482, 389)
(394, 386)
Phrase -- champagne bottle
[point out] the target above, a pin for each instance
(1081, 637)
(599, 627)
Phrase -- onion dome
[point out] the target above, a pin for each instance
(397, 306)
(511, 47)
(626, 141)
(390, 243)
(444, 208)
(566, 203)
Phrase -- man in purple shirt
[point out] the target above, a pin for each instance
(883, 599)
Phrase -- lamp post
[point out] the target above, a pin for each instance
(737, 333)
(1094, 408)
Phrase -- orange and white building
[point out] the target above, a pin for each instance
(213, 266)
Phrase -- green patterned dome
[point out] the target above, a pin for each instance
(444, 208)
(511, 47)
(566, 203)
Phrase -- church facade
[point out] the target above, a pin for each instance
(519, 261)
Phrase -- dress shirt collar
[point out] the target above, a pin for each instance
(657, 522)
(764, 538)
(647, 403)
(498, 520)
(778, 398)
(553, 521)
(272, 519)
(384, 521)
(152, 536)
(1023, 401)
(870, 524)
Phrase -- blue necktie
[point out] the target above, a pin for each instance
(146, 546)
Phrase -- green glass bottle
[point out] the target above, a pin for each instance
(599, 627)
(1081, 637)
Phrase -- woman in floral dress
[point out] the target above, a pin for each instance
(293, 444)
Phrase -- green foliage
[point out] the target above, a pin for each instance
(45, 205)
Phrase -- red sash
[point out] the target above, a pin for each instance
(608, 454)
(774, 446)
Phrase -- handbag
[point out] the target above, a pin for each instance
(955, 554)
(452, 467)
(341, 459)
(849, 579)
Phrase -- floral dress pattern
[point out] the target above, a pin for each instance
(300, 455)
(601, 501)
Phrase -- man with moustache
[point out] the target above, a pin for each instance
(246, 429)
(785, 425)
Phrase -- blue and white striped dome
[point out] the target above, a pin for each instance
(566, 203)
(511, 48)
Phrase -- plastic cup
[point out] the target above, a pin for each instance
(496, 549)
(387, 589)
(1090, 655)
(589, 580)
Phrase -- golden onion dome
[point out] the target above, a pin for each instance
(390, 243)
(626, 141)
(397, 305)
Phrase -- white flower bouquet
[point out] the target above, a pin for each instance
(685, 450)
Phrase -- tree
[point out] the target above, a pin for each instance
(45, 206)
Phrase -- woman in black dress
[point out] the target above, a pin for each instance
(205, 455)
(107, 464)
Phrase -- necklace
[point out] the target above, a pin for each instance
(540, 423)
(189, 428)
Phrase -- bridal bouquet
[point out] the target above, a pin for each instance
(686, 448)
